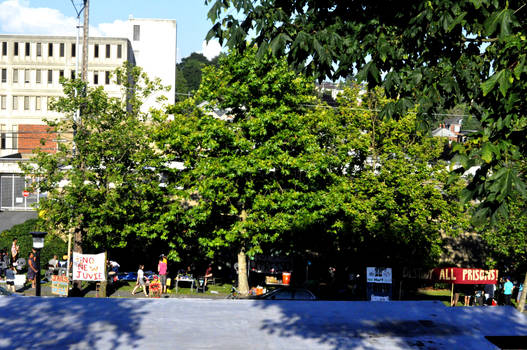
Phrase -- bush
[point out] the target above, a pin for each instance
(52, 244)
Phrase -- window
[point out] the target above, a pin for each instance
(39, 76)
(61, 73)
(95, 78)
(15, 103)
(119, 51)
(50, 49)
(50, 76)
(73, 50)
(96, 50)
(15, 75)
(38, 103)
(61, 50)
(4, 75)
(3, 102)
(137, 32)
(72, 74)
(108, 47)
(26, 76)
(107, 77)
(26, 103)
(39, 49)
(15, 49)
(4, 48)
(28, 49)
(3, 140)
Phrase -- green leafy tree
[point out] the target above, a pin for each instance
(259, 176)
(395, 206)
(100, 183)
(189, 73)
(434, 54)
(281, 175)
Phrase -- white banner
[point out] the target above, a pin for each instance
(88, 267)
(378, 275)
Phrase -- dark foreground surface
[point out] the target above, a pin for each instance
(170, 323)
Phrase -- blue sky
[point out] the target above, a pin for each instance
(58, 17)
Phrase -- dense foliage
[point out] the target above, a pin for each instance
(278, 174)
(431, 54)
(189, 72)
(54, 245)
(102, 185)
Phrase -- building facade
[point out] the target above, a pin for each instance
(31, 67)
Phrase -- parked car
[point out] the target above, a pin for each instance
(287, 293)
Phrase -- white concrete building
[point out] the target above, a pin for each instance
(31, 67)
(153, 42)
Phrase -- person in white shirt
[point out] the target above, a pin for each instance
(53, 263)
(141, 280)
(14, 250)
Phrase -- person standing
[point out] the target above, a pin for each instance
(208, 276)
(508, 287)
(31, 269)
(162, 271)
(53, 263)
(10, 278)
(489, 293)
(140, 280)
(14, 250)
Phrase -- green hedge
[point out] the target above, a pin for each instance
(52, 244)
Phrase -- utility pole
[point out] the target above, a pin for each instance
(84, 76)
(77, 224)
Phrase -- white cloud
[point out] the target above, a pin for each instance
(116, 29)
(18, 17)
(211, 49)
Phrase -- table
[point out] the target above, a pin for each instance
(191, 280)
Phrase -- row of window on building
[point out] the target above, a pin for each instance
(53, 48)
(28, 74)
(26, 103)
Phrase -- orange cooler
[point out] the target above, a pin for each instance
(286, 278)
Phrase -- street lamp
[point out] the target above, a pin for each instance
(38, 244)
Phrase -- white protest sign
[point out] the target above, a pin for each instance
(88, 267)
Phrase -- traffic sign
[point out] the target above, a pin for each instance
(25, 193)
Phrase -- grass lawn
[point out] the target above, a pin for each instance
(442, 295)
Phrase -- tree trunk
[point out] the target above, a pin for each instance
(521, 304)
(243, 282)
(104, 283)
(77, 248)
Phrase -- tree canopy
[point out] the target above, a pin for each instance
(267, 168)
(100, 183)
(430, 54)
(189, 72)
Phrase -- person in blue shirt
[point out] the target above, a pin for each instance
(520, 290)
(508, 287)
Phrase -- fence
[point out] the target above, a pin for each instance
(13, 194)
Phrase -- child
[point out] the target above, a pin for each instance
(10, 278)
(140, 280)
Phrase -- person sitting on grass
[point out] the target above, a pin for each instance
(141, 280)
